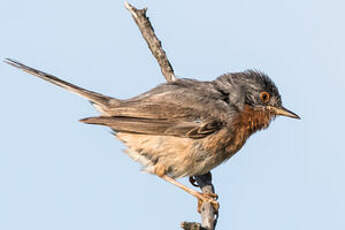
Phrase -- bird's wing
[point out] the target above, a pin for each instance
(184, 109)
(156, 127)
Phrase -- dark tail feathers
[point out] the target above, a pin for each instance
(100, 101)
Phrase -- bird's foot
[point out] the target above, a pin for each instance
(202, 197)
(210, 198)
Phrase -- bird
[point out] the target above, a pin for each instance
(187, 127)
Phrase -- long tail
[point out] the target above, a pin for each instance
(101, 101)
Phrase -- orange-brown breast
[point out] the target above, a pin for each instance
(248, 122)
(223, 144)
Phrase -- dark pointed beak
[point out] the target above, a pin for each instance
(285, 112)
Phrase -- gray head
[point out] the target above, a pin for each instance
(254, 89)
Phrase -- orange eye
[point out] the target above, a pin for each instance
(265, 96)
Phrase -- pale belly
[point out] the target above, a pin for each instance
(180, 157)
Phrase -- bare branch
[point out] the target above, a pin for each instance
(146, 29)
(209, 215)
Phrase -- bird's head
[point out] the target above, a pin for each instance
(254, 89)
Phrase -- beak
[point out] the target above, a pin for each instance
(285, 112)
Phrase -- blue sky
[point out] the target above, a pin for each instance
(57, 173)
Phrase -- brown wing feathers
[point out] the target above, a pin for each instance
(155, 127)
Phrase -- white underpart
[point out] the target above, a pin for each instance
(146, 163)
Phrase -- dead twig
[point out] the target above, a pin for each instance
(146, 29)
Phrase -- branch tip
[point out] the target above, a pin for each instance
(154, 44)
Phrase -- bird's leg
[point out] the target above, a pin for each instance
(202, 197)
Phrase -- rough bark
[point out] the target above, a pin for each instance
(209, 215)
(155, 45)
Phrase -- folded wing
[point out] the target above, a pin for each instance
(156, 127)
(180, 109)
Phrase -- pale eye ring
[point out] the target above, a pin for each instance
(265, 96)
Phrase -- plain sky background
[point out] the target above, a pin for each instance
(57, 173)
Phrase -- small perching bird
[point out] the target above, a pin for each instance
(185, 127)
